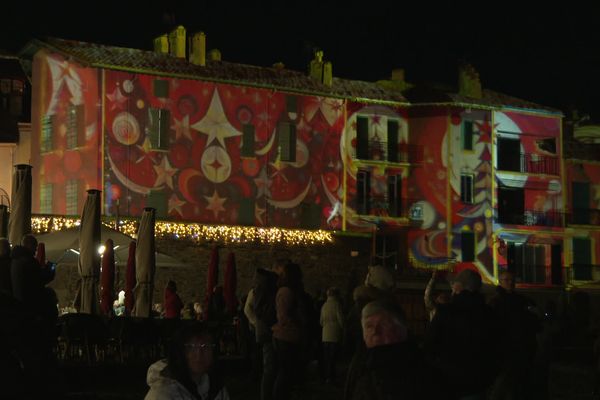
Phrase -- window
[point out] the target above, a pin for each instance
(310, 216)
(362, 138)
(247, 140)
(71, 196)
(246, 211)
(158, 126)
(46, 198)
(75, 127)
(395, 195)
(161, 88)
(392, 140)
(511, 205)
(467, 135)
(363, 191)
(547, 144)
(467, 245)
(509, 154)
(287, 141)
(582, 259)
(47, 133)
(581, 195)
(466, 188)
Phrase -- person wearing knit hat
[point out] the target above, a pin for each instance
(467, 279)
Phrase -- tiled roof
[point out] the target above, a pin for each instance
(427, 94)
(150, 62)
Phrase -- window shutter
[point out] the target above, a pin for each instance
(392, 140)
(248, 140)
(310, 216)
(164, 126)
(363, 189)
(395, 195)
(158, 200)
(291, 104)
(287, 142)
(246, 211)
(362, 138)
(72, 191)
(158, 124)
(467, 244)
(161, 88)
(466, 188)
(467, 135)
(47, 139)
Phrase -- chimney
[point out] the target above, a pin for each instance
(316, 66)
(214, 55)
(468, 82)
(161, 44)
(197, 49)
(327, 73)
(177, 42)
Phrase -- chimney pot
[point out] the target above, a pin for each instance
(398, 74)
(177, 42)
(327, 73)
(161, 44)
(197, 49)
(214, 55)
(469, 83)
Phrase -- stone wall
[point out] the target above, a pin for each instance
(322, 265)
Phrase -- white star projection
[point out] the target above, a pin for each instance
(215, 123)
(215, 203)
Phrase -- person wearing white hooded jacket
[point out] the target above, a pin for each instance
(187, 373)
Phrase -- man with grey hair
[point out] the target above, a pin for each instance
(393, 367)
(461, 341)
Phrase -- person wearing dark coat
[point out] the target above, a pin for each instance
(26, 273)
(5, 279)
(519, 326)
(394, 367)
(461, 343)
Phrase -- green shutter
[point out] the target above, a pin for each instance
(158, 128)
(287, 142)
(158, 200)
(467, 135)
(310, 216)
(246, 211)
(392, 140)
(362, 138)
(164, 121)
(161, 88)
(467, 244)
(291, 104)
(582, 258)
(248, 140)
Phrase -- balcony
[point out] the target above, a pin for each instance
(531, 218)
(583, 216)
(529, 163)
(583, 272)
(381, 206)
(535, 274)
(377, 150)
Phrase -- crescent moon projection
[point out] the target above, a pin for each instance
(293, 202)
(330, 196)
(268, 146)
(182, 181)
(128, 183)
(243, 185)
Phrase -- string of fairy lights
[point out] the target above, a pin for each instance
(198, 232)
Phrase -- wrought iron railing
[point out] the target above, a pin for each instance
(531, 218)
(532, 274)
(584, 216)
(530, 163)
(382, 206)
(583, 272)
(378, 151)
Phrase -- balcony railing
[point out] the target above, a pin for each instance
(531, 218)
(378, 151)
(530, 163)
(583, 216)
(383, 207)
(534, 274)
(583, 272)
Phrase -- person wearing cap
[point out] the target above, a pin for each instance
(393, 367)
(461, 341)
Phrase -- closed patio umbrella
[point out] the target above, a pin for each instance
(89, 258)
(107, 278)
(145, 264)
(130, 279)
(19, 222)
(230, 285)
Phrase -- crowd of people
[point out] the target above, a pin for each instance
(474, 347)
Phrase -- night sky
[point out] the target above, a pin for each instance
(551, 56)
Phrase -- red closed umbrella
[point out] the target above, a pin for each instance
(230, 284)
(130, 280)
(212, 276)
(40, 254)
(107, 278)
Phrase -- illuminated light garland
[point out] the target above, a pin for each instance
(199, 232)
